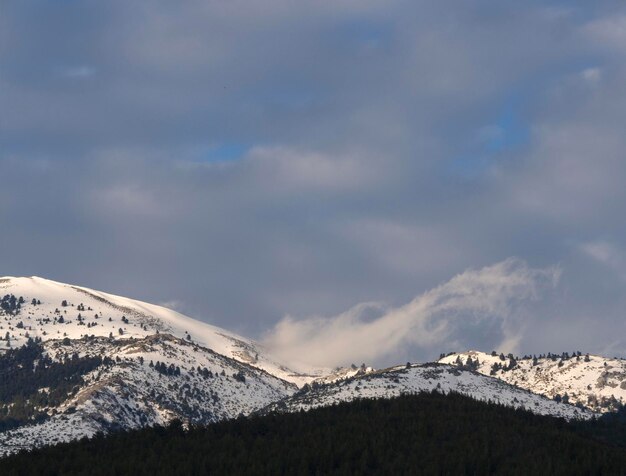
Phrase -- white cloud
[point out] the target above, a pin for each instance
(592, 75)
(601, 251)
(609, 30)
(401, 247)
(608, 254)
(173, 304)
(485, 300)
(79, 72)
(350, 198)
(125, 199)
(297, 170)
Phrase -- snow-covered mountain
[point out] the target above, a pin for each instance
(144, 381)
(595, 382)
(129, 363)
(88, 312)
(75, 361)
(416, 378)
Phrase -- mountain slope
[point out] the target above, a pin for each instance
(596, 382)
(84, 362)
(75, 362)
(424, 378)
(102, 314)
(140, 382)
(417, 434)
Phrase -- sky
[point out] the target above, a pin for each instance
(343, 180)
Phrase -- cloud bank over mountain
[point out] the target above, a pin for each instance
(252, 161)
(490, 304)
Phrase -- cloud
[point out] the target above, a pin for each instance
(172, 304)
(592, 75)
(125, 199)
(300, 171)
(609, 30)
(609, 254)
(475, 301)
(260, 160)
(79, 72)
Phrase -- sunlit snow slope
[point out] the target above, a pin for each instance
(120, 364)
(596, 382)
(76, 361)
(102, 316)
(415, 378)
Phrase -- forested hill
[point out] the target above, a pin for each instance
(429, 433)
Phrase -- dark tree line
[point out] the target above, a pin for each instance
(428, 434)
(11, 304)
(165, 369)
(26, 370)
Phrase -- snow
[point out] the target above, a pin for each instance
(144, 319)
(426, 378)
(589, 383)
(132, 393)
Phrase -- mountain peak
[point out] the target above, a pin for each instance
(593, 381)
(54, 310)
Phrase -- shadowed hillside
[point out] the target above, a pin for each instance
(420, 434)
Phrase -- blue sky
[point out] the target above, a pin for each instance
(272, 167)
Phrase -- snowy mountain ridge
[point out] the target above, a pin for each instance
(90, 312)
(592, 381)
(120, 363)
(145, 381)
(415, 378)
(75, 362)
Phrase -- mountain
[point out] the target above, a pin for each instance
(75, 362)
(595, 382)
(88, 312)
(418, 378)
(78, 361)
(429, 433)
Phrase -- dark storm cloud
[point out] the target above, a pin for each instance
(254, 160)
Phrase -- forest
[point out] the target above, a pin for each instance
(428, 433)
(25, 370)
